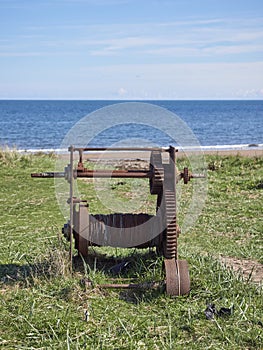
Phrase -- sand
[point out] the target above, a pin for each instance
(253, 152)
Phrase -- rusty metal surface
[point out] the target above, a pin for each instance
(186, 176)
(170, 243)
(156, 172)
(124, 230)
(169, 210)
(118, 149)
(145, 285)
(172, 279)
(177, 277)
(184, 278)
(81, 228)
(85, 173)
(49, 174)
(114, 173)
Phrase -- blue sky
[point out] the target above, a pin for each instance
(131, 49)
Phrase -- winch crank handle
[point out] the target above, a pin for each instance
(197, 176)
(47, 175)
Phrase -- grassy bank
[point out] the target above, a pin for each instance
(44, 307)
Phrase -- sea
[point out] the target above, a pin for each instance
(30, 125)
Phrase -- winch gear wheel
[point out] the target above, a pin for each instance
(157, 171)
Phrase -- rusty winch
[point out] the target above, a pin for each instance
(131, 230)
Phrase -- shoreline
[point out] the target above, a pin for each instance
(221, 150)
(250, 153)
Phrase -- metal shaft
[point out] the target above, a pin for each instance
(49, 174)
(115, 173)
(98, 173)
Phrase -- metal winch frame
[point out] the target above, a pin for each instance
(131, 230)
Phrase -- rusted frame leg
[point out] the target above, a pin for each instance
(71, 189)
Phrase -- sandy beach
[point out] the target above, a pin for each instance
(145, 155)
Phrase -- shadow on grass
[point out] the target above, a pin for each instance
(53, 264)
(138, 277)
(137, 262)
(142, 270)
(14, 273)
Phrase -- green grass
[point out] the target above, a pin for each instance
(231, 223)
(43, 306)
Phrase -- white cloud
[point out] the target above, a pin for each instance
(181, 39)
(163, 47)
(232, 49)
(95, 2)
(148, 81)
(181, 81)
(250, 93)
(122, 92)
(20, 54)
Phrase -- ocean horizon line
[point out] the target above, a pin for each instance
(131, 100)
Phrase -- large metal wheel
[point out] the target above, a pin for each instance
(177, 277)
